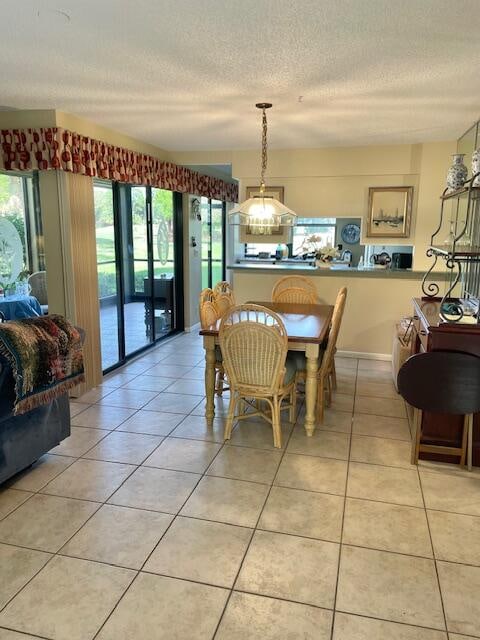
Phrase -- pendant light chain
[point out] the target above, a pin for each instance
(262, 213)
(264, 150)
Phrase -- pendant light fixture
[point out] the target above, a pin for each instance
(262, 214)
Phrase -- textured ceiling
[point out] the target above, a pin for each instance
(184, 74)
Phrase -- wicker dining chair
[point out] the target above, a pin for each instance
(326, 370)
(332, 379)
(296, 289)
(224, 297)
(254, 346)
(209, 315)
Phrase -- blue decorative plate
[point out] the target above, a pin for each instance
(351, 233)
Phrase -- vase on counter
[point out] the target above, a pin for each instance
(322, 264)
(476, 167)
(458, 172)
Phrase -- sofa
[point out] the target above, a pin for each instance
(25, 438)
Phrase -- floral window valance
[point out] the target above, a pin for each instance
(56, 148)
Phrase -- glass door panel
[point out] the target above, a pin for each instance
(206, 251)
(163, 262)
(213, 241)
(107, 274)
(217, 241)
(140, 298)
(136, 274)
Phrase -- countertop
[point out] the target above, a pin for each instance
(305, 269)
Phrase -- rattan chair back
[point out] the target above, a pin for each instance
(327, 360)
(224, 297)
(254, 346)
(38, 284)
(208, 310)
(295, 289)
(223, 287)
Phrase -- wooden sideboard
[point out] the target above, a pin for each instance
(430, 333)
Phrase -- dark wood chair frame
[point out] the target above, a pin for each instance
(442, 382)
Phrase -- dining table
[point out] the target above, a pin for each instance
(17, 307)
(307, 327)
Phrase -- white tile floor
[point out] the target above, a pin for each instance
(145, 525)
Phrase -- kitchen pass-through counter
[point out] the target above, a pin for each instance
(377, 299)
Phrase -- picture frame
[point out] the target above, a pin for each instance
(274, 192)
(389, 212)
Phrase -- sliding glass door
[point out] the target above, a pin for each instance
(136, 272)
(108, 274)
(213, 241)
(164, 307)
(139, 267)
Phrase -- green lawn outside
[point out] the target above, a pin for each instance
(107, 283)
(106, 245)
(107, 272)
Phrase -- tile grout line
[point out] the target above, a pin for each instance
(20, 633)
(340, 547)
(363, 499)
(203, 519)
(424, 508)
(440, 592)
(255, 528)
(57, 553)
(52, 554)
(175, 516)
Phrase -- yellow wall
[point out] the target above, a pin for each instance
(53, 118)
(334, 182)
(110, 136)
(373, 306)
(30, 118)
(318, 182)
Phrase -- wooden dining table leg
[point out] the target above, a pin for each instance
(209, 346)
(311, 353)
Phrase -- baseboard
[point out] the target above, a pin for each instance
(194, 327)
(365, 355)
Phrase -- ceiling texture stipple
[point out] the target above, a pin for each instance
(186, 74)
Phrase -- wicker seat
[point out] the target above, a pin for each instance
(295, 289)
(254, 342)
(326, 370)
(224, 297)
(209, 315)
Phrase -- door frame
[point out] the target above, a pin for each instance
(122, 213)
(210, 242)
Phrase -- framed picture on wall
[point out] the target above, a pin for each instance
(389, 212)
(272, 192)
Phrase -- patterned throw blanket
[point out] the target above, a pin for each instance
(46, 357)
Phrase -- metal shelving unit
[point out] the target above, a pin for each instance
(462, 259)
